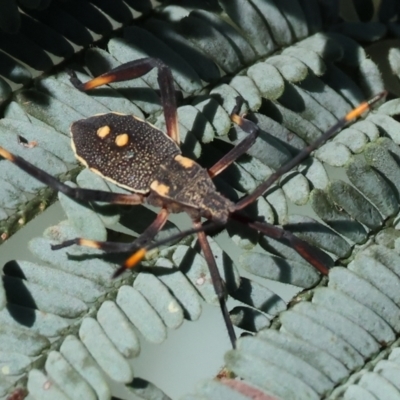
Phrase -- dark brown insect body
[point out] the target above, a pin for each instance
(139, 157)
(148, 162)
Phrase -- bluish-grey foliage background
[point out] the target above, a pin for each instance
(67, 330)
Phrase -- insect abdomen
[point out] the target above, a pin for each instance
(122, 149)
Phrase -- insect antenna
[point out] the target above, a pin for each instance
(306, 151)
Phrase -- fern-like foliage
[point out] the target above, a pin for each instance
(299, 68)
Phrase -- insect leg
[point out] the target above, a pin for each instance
(316, 257)
(138, 256)
(142, 242)
(248, 126)
(135, 69)
(115, 247)
(304, 153)
(73, 193)
(216, 280)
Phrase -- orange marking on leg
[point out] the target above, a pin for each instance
(5, 154)
(134, 259)
(236, 119)
(89, 243)
(101, 80)
(357, 111)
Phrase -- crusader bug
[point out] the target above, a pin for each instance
(141, 158)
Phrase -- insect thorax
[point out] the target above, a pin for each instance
(182, 185)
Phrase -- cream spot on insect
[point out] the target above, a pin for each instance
(184, 161)
(103, 131)
(159, 188)
(122, 140)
